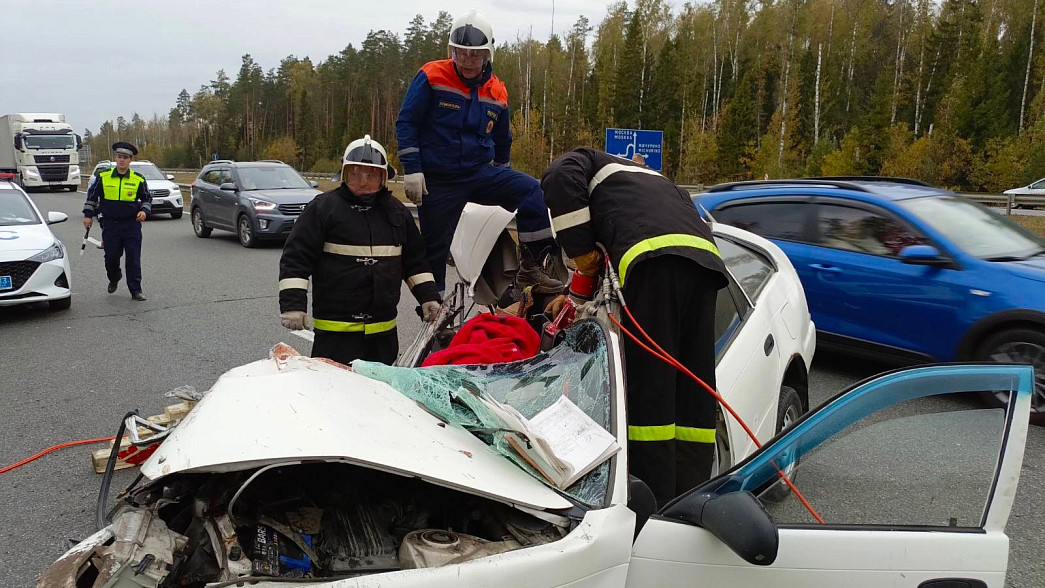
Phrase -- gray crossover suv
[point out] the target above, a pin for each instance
(255, 199)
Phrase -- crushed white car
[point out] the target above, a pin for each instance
(293, 470)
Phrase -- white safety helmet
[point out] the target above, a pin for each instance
(472, 31)
(368, 152)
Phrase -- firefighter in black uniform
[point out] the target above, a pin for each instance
(122, 200)
(670, 271)
(357, 243)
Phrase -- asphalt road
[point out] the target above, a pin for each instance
(212, 305)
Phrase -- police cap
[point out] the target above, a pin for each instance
(124, 148)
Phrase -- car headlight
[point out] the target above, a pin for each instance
(32, 172)
(52, 253)
(260, 204)
(74, 170)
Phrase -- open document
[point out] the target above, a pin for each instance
(561, 442)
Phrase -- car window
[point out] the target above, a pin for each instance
(15, 209)
(150, 171)
(730, 310)
(974, 228)
(270, 177)
(751, 268)
(878, 459)
(773, 220)
(903, 449)
(1039, 185)
(211, 176)
(225, 176)
(863, 231)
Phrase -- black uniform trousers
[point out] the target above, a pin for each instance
(119, 237)
(671, 418)
(345, 348)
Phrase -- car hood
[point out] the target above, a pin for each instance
(161, 185)
(292, 196)
(20, 239)
(302, 409)
(1033, 268)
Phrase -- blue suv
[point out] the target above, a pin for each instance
(898, 270)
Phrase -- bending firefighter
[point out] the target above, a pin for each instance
(670, 272)
(357, 243)
(455, 144)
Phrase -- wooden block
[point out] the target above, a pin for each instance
(129, 455)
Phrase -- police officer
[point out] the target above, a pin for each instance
(357, 243)
(122, 201)
(455, 143)
(670, 271)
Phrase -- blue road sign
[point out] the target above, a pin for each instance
(627, 142)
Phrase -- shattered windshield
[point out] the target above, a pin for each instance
(577, 368)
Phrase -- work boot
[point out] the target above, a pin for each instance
(532, 274)
(138, 296)
(112, 287)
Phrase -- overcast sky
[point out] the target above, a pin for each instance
(65, 55)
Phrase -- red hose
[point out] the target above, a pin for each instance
(55, 448)
(666, 357)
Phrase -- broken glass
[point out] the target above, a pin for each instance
(577, 368)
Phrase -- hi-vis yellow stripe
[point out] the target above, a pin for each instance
(654, 243)
(344, 327)
(669, 432)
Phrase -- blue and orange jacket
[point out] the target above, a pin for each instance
(446, 127)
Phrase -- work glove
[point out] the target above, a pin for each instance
(295, 320)
(554, 306)
(429, 310)
(414, 184)
(589, 264)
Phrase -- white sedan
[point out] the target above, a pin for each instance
(293, 469)
(34, 265)
(1034, 190)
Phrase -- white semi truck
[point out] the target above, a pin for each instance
(41, 149)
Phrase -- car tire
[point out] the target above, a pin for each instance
(1020, 345)
(73, 188)
(60, 304)
(198, 226)
(176, 215)
(789, 410)
(245, 232)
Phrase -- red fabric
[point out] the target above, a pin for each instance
(487, 339)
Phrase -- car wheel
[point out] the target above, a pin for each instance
(61, 304)
(1025, 346)
(245, 230)
(202, 231)
(789, 410)
(176, 215)
(73, 188)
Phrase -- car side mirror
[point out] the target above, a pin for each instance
(79, 142)
(170, 177)
(737, 519)
(314, 183)
(923, 255)
(18, 142)
(228, 186)
(54, 217)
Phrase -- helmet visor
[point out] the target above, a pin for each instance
(365, 154)
(468, 36)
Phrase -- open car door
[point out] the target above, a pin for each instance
(913, 479)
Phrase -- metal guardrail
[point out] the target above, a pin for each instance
(1009, 201)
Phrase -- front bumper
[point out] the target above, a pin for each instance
(48, 281)
(273, 226)
(165, 204)
(54, 175)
